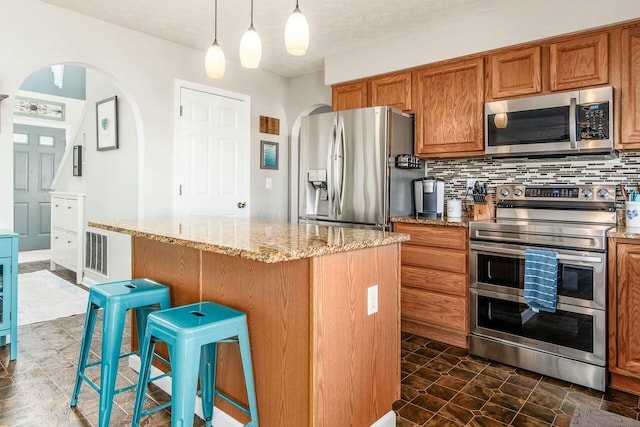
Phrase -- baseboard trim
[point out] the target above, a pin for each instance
(387, 420)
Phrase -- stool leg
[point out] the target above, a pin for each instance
(112, 327)
(183, 384)
(146, 357)
(85, 345)
(208, 380)
(245, 355)
(141, 322)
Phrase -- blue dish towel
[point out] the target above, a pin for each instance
(541, 279)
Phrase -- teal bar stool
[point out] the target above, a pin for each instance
(192, 333)
(115, 299)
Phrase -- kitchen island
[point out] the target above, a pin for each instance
(319, 358)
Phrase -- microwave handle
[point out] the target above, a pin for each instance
(572, 123)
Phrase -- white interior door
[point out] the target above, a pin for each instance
(213, 153)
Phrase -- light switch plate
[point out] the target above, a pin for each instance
(470, 183)
(372, 300)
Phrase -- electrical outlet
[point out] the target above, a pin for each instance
(372, 300)
(470, 183)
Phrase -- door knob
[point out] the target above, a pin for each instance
(241, 205)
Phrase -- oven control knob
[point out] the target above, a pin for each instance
(504, 192)
(588, 193)
(603, 193)
(518, 192)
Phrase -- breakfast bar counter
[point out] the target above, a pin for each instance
(319, 358)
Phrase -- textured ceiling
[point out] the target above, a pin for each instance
(335, 25)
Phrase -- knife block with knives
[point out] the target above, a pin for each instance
(483, 207)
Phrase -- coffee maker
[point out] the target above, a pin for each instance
(428, 193)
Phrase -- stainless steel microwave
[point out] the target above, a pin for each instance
(566, 123)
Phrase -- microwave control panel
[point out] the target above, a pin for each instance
(593, 121)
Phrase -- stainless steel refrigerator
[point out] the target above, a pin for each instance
(356, 167)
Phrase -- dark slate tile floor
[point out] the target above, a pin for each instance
(442, 385)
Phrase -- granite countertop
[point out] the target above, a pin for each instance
(454, 222)
(251, 239)
(620, 232)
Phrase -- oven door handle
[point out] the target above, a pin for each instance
(519, 252)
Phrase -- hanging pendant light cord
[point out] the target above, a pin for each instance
(215, 23)
(251, 13)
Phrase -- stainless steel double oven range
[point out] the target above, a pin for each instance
(573, 221)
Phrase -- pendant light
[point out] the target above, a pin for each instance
(296, 33)
(214, 62)
(250, 46)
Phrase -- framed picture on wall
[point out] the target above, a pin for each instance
(107, 123)
(268, 155)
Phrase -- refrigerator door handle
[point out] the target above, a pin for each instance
(342, 170)
(330, 166)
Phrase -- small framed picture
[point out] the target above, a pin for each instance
(107, 123)
(268, 155)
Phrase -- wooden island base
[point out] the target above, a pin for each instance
(318, 358)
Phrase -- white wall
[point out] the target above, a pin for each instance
(523, 22)
(109, 178)
(306, 93)
(144, 69)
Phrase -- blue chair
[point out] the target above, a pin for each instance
(115, 299)
(192, 333)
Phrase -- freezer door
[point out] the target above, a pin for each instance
(360, 166)
(316, 175)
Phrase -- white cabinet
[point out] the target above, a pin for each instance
(67, 231)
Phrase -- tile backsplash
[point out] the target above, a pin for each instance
(623, 170)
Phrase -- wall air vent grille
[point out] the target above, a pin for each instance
(96, 253)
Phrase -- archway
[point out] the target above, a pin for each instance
(64, 96)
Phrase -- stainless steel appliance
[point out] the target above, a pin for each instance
(578, 122)
(428, 193)
(357, 167)
(573, 221)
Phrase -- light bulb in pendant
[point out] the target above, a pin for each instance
(214, 62)
(296, 33)
(250, 49)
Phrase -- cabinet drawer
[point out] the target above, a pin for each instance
(435, 280)
(5, 247)
(64, 248)
(436, 258)
(430, 308)
(64, 213)
(435, 235)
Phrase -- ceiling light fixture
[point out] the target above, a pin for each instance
(250, 46)
(214, 62)
(296, 33)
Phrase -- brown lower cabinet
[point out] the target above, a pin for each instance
(624, 314)
(434, 295)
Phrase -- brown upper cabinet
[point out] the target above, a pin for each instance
(515, 72)
(393, 90)
(448, 104)
(579, 62)
(350, 95)
(448, 97)
(630, 89)
(566, 64)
